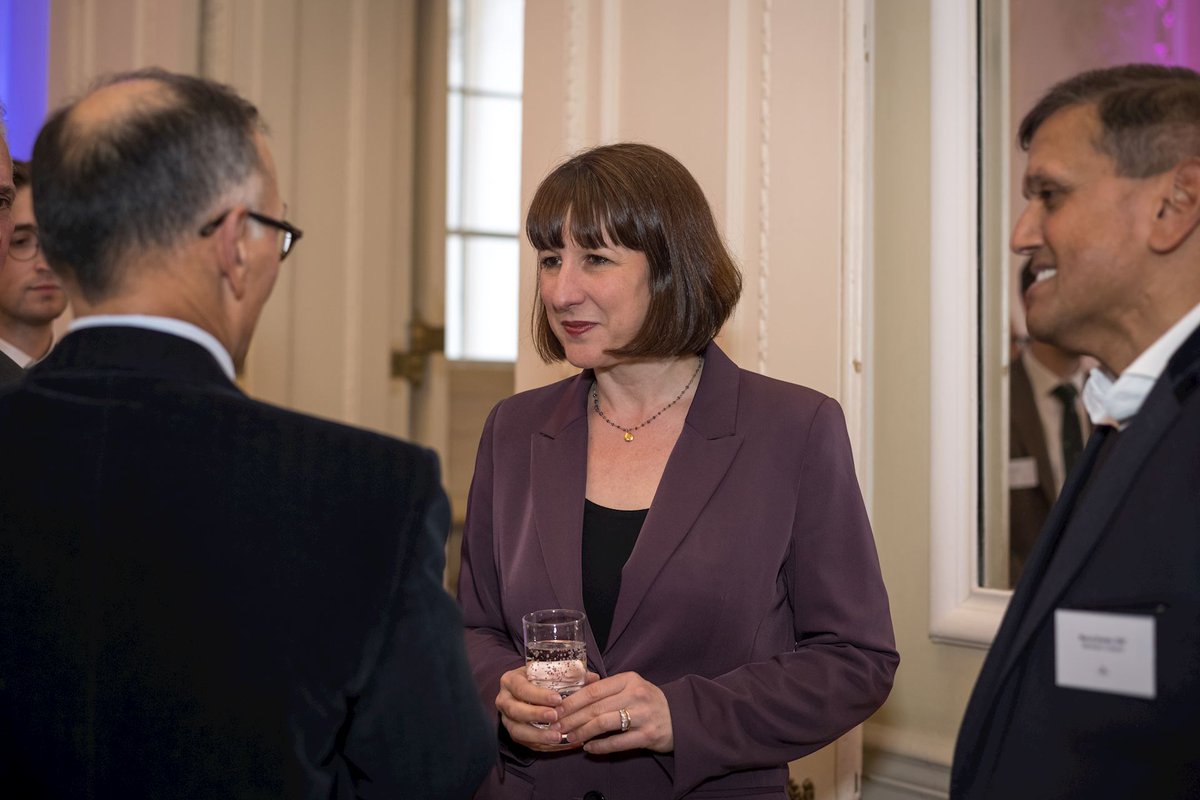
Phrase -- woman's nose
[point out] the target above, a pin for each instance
(562, 289)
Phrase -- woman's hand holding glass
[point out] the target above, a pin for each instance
(620, 712)
(521, 704)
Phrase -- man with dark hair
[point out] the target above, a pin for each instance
(9, 370)
(1091, 686)
(31, 295)
(202, 595)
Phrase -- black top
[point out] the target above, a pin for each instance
(609, 535)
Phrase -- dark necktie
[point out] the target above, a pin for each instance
(1072, 439)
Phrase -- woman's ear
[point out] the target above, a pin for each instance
(1179, 209)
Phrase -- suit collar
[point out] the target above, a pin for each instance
(571, 406)
(713, 414)
(1183, 369)
(172, 325)
(133, 352)
(9, 370)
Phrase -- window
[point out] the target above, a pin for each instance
(483, 177)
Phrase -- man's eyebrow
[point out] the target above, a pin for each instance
(1037, 181)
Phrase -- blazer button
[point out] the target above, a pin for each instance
(594, 795)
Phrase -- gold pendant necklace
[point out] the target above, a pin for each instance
(629, 431)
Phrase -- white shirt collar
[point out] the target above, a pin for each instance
(23, 359)
(19, 356)
(1112, 402)
(175, 327)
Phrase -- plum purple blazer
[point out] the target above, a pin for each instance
(753, 597)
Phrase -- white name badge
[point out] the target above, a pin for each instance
(1022, 473)
(1104, 652)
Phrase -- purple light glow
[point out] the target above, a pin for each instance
(24, 64)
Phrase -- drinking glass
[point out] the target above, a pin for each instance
(555, 651)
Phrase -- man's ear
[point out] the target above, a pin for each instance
(230, 238)
(1179, 209)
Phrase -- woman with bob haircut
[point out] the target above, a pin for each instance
(707, 519)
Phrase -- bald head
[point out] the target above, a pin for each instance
(119, 101)
(135, 166)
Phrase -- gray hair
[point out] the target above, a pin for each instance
(143, 177)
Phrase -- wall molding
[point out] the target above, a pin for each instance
(576, 75)
(216, 39)
(890, 776)
(609, 94)
(355, 218)
(856, 362)
(764, 190)
(961, 612)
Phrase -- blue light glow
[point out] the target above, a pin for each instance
(24, 64)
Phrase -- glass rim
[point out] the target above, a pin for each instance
(554, 616)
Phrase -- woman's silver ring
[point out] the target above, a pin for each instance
(563, 739)
(624, 720)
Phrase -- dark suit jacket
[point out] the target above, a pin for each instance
(205, 596)
(753, 597)
(10, 371)
(1028, 507)
(1125, 540)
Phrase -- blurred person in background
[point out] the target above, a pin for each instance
(31, 295)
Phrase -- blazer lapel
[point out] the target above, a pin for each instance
(559, 473)
(1076, 531)
(702, 455)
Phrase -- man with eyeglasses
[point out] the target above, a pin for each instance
(31, 296)
(9, 370)
(202, 595)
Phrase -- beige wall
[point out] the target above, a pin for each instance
(922, 716)
(763, 136)
(335, 83)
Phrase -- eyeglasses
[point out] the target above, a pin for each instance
(23, 246)
(288, 234)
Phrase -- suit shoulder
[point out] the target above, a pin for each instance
(298, 427)
(761, 394)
